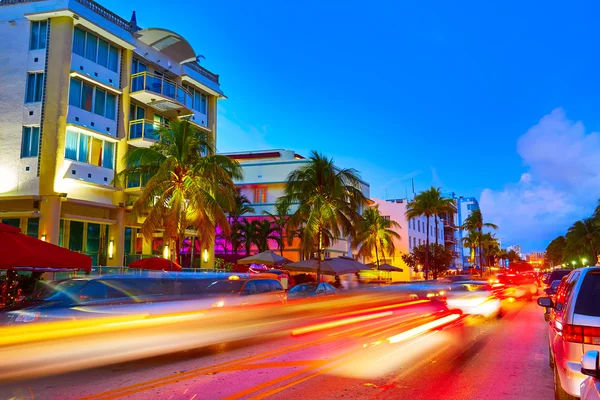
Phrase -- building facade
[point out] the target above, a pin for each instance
(264, 177)
(413, 232)
(466, 205)
(81, 86)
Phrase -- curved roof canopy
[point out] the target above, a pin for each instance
(167, 42)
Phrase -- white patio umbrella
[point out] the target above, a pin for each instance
(265, 258)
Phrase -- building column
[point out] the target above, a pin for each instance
(50, 218)
(116, 234)
(212, 116)
(56, 100)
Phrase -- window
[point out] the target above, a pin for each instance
(419, 225)
(260, 195)
(95, 49)
(137, 66)
(587, 300)
(35, 85)
(136, 112)
(91, 150)
(38, 35)
(472, 207)
(200, 100)
(83, 95)
(30, 141)
(410, 244)
(386, 217)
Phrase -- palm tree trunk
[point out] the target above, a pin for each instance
(281, 244)
(382, 250)
(376, 255)
(319, 252)
(593, 249)
(427, 250)
(436, 230)
(480, 250)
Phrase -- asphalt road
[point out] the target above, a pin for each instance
(499, 359)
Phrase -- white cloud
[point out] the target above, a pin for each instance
(561, 184)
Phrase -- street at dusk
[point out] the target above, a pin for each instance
(316, 200)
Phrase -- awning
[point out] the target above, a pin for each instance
(22, 252)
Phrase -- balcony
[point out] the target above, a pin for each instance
(449, 239)
(449, 224)
(162, 94)
(136, 185)
(143, 132)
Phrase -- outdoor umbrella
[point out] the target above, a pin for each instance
(329, 266)
(265, 258)
(22, 252)
(156, 264)
(388, 267)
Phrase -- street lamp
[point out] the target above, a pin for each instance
(574, 263)
(583, 261)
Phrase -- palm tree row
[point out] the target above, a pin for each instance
(580, 243)
(475, 224)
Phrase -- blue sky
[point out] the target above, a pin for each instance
(454, 94)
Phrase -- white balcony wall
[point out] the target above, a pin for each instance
(85, 182)
(36, 61)
(94, 71)
(14, 56)
(89, 120)
(199, 118)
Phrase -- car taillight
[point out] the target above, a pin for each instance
(581, 334)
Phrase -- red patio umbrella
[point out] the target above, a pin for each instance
(22, 252)
(156, 264)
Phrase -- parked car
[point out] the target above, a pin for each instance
(474, 298)
(551, 292)
(305, 290)
(573, 329)
(556, 275)
(590, 366)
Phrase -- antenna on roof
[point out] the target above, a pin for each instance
(133, 22)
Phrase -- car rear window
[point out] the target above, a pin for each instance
(588, 300)
(226, 287)
(557, 275)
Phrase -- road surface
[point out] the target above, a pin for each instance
(501, 359)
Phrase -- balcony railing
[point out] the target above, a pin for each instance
(109, 15)
(449, 238)
(449, 223)
(161, 85)
(144, 129)
(203, 71)
(137, 182)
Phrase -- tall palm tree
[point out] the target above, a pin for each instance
(241, 206)
(279, 220)
(265, 231)
(471, 241)
(248, 231)
(475, 222)
(425, 203)
(582, 234)
(374, 230)
(441, 206)
(490, 245)
(189, 185)
(328, 198)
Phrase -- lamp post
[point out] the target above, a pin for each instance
(583, 261)
(574, 263)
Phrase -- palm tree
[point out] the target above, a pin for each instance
(328, 198)
(490, 245)
(241, 206)
(279, 220)
(189, 185)
(471, 241)
(375, 230)
(248, 231)
(582, 234)
(425, 203)
(475, 222)
(265, 231)
(441, 206)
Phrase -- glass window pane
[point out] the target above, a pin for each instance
(71, 145)
(75, 93)
(76, 236)
(14, 222)
(33, 227)
(108, 158)
(43, 27)
(35, 137)
(79, 42)
(25, 141)
(39, 86)
(87, 94)
(113, 59)
(95, 152)
(84, 142)
(29, 94)
(111, 106)
(141, 113)
(35, 35)
(103, 53)
(92, 244)
(100, 102)
(91, 45)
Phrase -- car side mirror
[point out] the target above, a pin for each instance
(549, 291)
(590, 364)
(545, 302)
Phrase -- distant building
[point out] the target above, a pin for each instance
(516, 248)
(264, 177)
(466, 205)
(536, 258)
